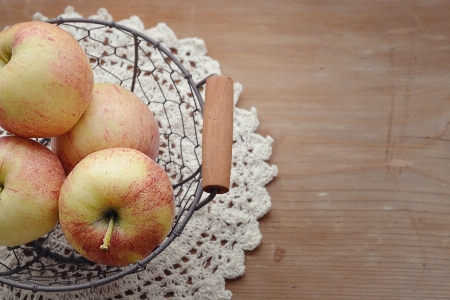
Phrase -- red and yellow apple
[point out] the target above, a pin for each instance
(46, 80)
(116, 206)
(115, 117)
(30, 180)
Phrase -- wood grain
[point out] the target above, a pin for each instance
(356, 95)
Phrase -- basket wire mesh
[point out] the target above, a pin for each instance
(159, 78)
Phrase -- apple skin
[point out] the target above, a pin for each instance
(46, 80)
(115, 117)
(31, 177)
(125, 182)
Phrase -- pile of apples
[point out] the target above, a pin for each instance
(99, 179)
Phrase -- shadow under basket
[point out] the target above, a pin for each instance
(195, 148)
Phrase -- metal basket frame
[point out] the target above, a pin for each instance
(13, 278)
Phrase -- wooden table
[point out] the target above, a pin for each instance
(356, 95)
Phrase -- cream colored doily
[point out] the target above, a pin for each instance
(211, 247)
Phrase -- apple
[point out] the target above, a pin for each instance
(46, 80)
(116, 206)
(115, 117)
(31, 177)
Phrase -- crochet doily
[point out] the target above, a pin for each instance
(211, 247)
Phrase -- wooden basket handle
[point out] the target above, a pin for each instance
(217, 134)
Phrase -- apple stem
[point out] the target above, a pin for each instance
(107, 238)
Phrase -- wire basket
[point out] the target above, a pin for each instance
(201, 164)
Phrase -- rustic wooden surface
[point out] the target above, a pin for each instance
(356, 95)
